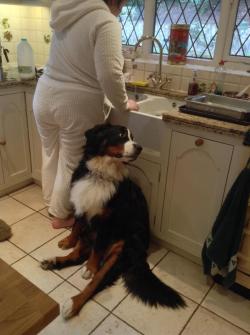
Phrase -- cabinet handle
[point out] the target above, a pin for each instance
(199, 142)
(2, 142)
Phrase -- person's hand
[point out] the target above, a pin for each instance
(132, 105)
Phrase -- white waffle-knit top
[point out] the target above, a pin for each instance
(86, 50)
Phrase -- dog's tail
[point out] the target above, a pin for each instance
(143, 284)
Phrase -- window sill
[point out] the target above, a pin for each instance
(148, 65)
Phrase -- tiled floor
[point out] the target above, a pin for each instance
(211, 310)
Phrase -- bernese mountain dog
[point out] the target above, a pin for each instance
(111, 231)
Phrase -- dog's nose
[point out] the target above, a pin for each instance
(137, 147)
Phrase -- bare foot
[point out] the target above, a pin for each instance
(62, 223)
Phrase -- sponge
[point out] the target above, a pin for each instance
(139, 83)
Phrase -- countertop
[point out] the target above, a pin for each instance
(17, 82)
(173, 116)
(211, 124)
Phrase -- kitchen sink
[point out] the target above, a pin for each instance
(156, 106)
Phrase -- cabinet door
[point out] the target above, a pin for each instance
(14, 131)
(196, 180)
(1, 172)
(35, 141)
(146, 174)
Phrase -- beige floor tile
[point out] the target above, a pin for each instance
(112, 296)
(183, 275)
(206, 323)
(230, 306)
(155, 253)
(9, 253)
(112, 325)
(31, 197)
(51, 249)
(12, 211)
(63, 292)
(45, 213)
(149, 321)
(31, 270)
(32, 232)
(23, 189)
(89, 317)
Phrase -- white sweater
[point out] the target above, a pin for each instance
(86, 49)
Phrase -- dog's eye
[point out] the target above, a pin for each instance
(122, 135)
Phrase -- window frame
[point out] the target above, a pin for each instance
(222, 49)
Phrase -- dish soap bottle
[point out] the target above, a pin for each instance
(193, 87)
(25, 60)
(220, 78)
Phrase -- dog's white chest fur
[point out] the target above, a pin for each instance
(90, 194)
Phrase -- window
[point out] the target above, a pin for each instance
(132, 20)
(241, 35)
(219, 29)
(201, 15)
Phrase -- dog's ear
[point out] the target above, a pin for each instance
(93, 132)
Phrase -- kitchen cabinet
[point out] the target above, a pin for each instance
(35, 141)
(196, 181)
(146, 174)
(1, 172)
(15, 164)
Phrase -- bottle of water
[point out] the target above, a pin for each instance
(25, 60)
(220, 78)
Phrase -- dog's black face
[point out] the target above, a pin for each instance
(113, 141)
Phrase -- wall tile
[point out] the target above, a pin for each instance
(27, 21)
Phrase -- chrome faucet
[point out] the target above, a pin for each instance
(5, 52)
(155, 77)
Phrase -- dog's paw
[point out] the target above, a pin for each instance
(48, 264)
(67, 309)
(66, 243)
(86, 273)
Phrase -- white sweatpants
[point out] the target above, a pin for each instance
(62, 116)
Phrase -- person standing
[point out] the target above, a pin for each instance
(85, 66)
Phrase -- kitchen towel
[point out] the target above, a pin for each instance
(219, 253)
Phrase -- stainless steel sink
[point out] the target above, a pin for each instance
(211, 104)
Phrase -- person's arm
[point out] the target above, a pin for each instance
(109, 64)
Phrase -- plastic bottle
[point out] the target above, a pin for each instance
(25, 60)
(219, 78)
(193, 87)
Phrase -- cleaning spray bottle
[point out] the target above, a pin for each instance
(193, 87)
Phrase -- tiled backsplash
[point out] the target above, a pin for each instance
(182, 75)
(30, 22)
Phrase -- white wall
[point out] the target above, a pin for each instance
(27, 21)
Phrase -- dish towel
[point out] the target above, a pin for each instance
(219, 253)
(247, 138)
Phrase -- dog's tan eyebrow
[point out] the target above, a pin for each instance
(129, 135)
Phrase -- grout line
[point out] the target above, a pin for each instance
(157, 263)
(23, 189)
(24, 204)
(223, 318)
(91, 332)
(138, 331)
(189, 319)
(13, 224)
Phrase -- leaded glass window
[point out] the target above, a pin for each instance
(132, 20)
(203, 17)
(241, 36)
